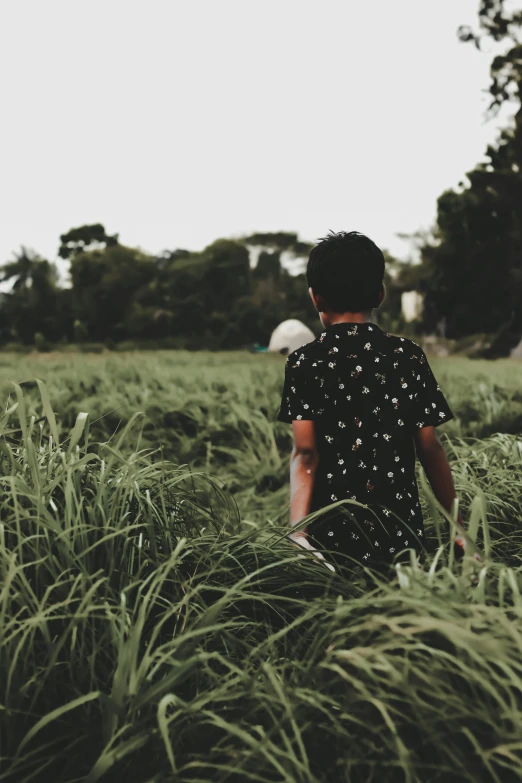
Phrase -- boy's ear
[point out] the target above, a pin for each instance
(382, 295)
(317, 300)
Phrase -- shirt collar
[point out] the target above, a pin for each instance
(352, 326)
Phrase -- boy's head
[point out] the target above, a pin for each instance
(344, 274)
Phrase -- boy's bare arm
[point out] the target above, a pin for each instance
(433, 459)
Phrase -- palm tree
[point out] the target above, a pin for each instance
(21, 269)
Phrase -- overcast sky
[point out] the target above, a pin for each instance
(176, 122)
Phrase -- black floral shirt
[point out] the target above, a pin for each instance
(367, 391)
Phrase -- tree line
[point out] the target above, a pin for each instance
(216, 298)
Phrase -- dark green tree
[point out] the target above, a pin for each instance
(90, 237)
(105, 283)
(21, 269)
(471, 271)
(200, 290)
(33, 305)
(226, 274)
(276, 293)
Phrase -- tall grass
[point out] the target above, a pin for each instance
(150, 631)
(216, 412)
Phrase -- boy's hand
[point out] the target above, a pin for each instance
(459, 545)
(301, 540)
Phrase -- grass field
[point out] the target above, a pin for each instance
(156, 625)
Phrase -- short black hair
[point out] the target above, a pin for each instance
(347, 269)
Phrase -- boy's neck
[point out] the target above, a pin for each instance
(348, 318)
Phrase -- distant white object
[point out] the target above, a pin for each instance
(289, 336)
(411, 305)
(516, 352)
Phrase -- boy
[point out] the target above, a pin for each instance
(361, 403)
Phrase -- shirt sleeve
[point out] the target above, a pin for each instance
(429, 405)
(298, 399)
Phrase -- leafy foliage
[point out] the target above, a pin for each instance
(471, 271)
(78, 240)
